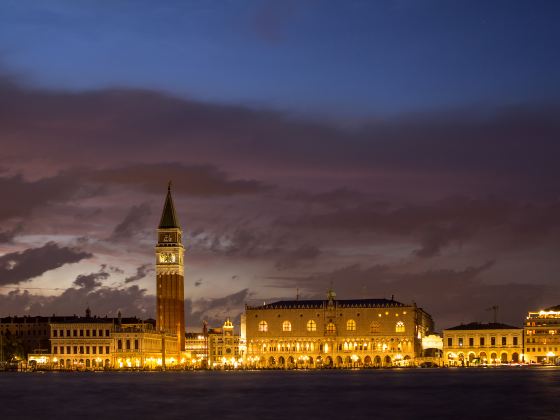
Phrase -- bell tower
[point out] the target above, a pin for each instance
(170, 282)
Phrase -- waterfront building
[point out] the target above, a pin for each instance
(139, 345)
(334, 333)
(91, 342)
(224, 347)
(196, 349)
(542, 336)
(170, 287)
(482, 344)
(25, 334)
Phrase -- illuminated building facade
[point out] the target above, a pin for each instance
(170, 287)
(334, 333)
(223, 347)
(482, 344)
(94, 343)
(196, 350)
(542, 336)
(139, 345)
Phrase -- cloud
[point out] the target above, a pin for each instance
(91, 281)
(437, 224)
(510, 150)
(141, 272)
(22, 196)
(7, 236)
(192, 180)
(215, 311)
(292, 259)
(18, 267)
(133, 222)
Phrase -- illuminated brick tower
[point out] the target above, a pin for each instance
(170, 273)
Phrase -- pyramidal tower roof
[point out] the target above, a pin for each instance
(168, 216)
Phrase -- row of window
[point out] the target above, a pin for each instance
(482, 341)
(81, 349)
(74, 333)
(26, 332)
(311, 326)
(538, 349)
(127, 344)
(543, 332)
(544, 340)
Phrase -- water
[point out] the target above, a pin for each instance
(512, 393)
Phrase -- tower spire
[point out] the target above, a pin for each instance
(168, 216)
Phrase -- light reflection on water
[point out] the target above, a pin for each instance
(519, 393)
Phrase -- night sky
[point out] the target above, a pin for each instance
(407, 148)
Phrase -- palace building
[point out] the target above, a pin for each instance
(334, 333)
(170, 284)
(482, 344)
(93, 343)
(542, 336)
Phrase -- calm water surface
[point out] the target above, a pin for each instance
(517, 393)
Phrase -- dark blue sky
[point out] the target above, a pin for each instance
(355, 58)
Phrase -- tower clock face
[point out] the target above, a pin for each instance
(167, 257)
(167, 238)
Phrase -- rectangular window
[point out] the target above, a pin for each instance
(136, 345)
(106, 333)
(75, 333)
(128, 344)
(67, 333)
(100, 349)
(449, 342)
(94, 349)
(515, 341)
(55, 350)
(504, 341)
(87, 349)
(61, 349)
(460, 341)
(107, 350)
(471, 342)
(81, 333)
(94, 333)
(119, 345)
(482, 341)
(67, 349)
(81, 349)
(75, 349)
(87, 333)
(55, 333)
(492, 341)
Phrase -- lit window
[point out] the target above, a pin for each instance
(351, 325)
(263, 326)
(311, 325)
(399, 327)
(331, 328)
(286, 326)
